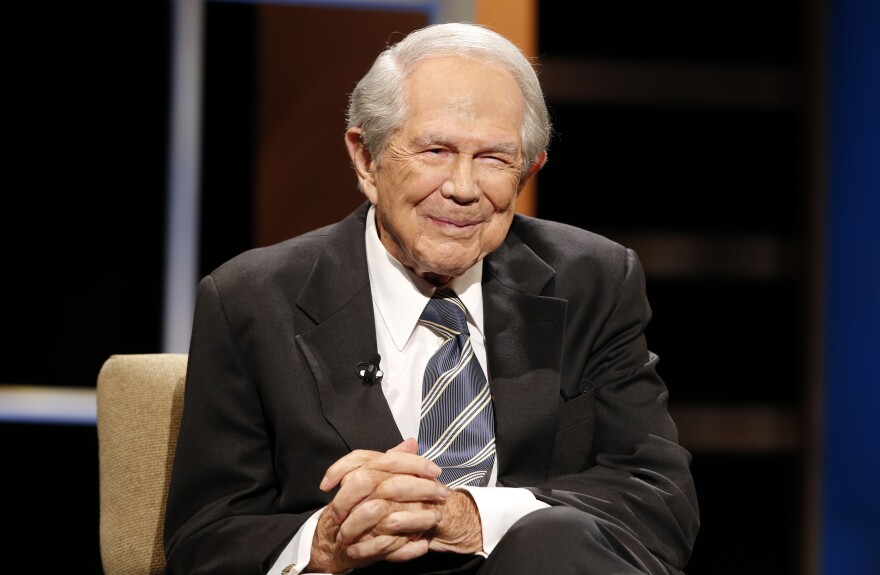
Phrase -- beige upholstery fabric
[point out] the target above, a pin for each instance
(140, 399)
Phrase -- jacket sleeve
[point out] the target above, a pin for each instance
(221, 514)
(617, 454)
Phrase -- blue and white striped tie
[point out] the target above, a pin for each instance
(457, 423)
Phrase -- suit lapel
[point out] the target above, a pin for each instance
(524, 333)
(337, 297)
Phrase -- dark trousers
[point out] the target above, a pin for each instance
(557, 540)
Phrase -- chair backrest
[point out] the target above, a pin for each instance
(139, 400)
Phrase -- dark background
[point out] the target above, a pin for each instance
(86, 132)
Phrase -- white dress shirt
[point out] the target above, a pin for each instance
(399, 296)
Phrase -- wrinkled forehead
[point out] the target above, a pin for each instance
(463, 83)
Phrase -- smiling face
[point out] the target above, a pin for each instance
(445, 189)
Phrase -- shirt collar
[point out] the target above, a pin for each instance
(400, 296)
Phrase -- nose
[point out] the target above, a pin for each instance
(460, 185)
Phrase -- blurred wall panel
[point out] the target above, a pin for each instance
(309, 60)
(851, 500)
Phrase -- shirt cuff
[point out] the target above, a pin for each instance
(500, 508)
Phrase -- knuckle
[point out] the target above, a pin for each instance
(390, 488)
(373, 510)
(357, 479)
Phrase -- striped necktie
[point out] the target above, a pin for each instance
(457, 423)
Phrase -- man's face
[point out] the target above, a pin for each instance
(446, 188)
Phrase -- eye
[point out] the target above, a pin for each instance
(494, 159)
(435, 153)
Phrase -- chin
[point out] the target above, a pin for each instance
(449, 269)
(452, 262)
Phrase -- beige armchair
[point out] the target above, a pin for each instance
(140, 400)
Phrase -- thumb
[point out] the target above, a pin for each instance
(408, 445)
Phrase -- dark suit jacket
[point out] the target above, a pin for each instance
(273, 397)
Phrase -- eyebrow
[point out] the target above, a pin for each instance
(438, 140)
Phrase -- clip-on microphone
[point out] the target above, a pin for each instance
(370, 371)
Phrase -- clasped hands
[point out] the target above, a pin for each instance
(390, 507)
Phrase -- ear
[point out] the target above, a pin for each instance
(539, 163)
(362, 162)
(533, 169)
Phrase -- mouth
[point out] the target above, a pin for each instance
(454, 223)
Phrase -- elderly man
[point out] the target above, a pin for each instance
(434, 384)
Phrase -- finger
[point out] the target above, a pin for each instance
(362, 520)
(357, 486)
(411, 520)
(409, 445)
(404, 462)
(409, 551)
(401, 458)
(376, 548)
(378, 517)
(364, 484)
(407, 488)
(359, 483)
(345, 465)
(379, 549)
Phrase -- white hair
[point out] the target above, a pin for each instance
(378, 105)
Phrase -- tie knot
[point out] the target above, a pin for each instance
(445, 314)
